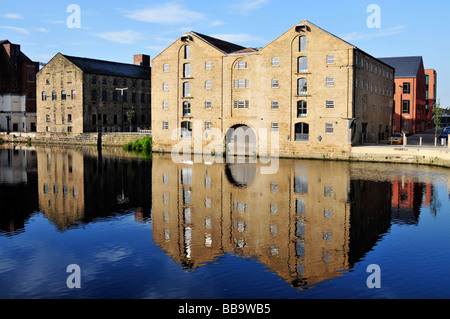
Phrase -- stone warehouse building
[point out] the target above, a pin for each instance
(79, 95)
(318, 92)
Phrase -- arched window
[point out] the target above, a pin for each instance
(44, 96)
(186, 129)
(54, 96)
(302, 64)
(302, 86)
(302, 44)
(301, 132)
(187, 70)
(186, 108)
(186, 89)
(302, 109)
(63, 95)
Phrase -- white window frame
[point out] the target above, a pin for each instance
(276, 61)
(275, 105)
(207, 126)
(275, 83)
(165, 105)
(208, 65)
(166, 68)
(330, 81)
(207, 85)
(208, 105)
(275, 127)
(165, 86)
(330, 59)
(330, 104)
(165, 125)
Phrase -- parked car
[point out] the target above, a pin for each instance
(444, 134)
(446, 129)
(396, 138)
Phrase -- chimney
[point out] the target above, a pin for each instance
(142, 60)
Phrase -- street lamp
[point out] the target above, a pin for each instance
(121, 97)
(401, 109)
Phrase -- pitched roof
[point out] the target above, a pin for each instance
(222, 45)
(100, 67)
(405, 67)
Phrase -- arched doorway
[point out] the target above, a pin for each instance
(240, 140)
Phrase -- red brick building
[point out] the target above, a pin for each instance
(410, 112)
(431, 93)
(17, 89)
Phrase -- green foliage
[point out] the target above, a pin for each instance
(437, 113)
(142, 147)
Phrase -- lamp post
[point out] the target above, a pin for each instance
(401, 109)
(121, 97)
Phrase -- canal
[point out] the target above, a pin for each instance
(140, 227)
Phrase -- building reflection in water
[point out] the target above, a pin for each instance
(296, 222)
(82, 185)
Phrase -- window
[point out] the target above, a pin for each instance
(186, 129)
(330, 104)
(329, 127)
(47, 118)
(330, 81)
(208, 85)
(165, 68)
(275, 105)
(302, 64)
(94, 79)
(44, 96)
(330, 59)
(207, 126)
(406, 106)
(208, 65)
(69, 118)
(115, 119)
(186, 109)
(406, 88)
(276, 61)
(302, 44)
(301, 132)
(104, 96)
(69, 129)
(93, 95)
(125, 97)
(187, 70)
(165, 86)
(165, 105)
(47, 81)
(241, 84)
(94, 119)
(187, 52)
(208, 105)
(241, 65)
(114, 96)
(275, 83)
(54, 96)
(73, 94)
(187, 89)
(301, 109)
(142, 97)
(275, 127)
(165, 125)
(104, 81)
(302, 84)
(241, 104)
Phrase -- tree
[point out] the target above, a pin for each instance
(437, 113)
(131, 114)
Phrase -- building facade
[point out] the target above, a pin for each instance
(410, 94)
(316, 92)
(78, 95)
(17, 89)
(431, 94)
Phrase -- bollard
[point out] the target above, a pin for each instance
(420, 143)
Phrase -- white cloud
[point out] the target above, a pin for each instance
(16, 29)
(12, 16)
(42, 30)
(122, 37)
(246, 6)
(171, 13)
(357, 36)
(217, 23)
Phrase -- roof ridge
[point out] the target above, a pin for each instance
(222, 45)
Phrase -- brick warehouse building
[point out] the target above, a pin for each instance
(320, 93)
(410, 94)
(80, 95)
(17, 89)
(431, 94)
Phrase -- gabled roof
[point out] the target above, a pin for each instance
(100, 67)
(405, 67)
(222, 45)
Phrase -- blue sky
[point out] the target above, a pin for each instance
(115, 30)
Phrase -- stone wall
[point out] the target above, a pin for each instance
(107, 139)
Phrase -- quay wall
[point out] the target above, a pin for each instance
(89, 139)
